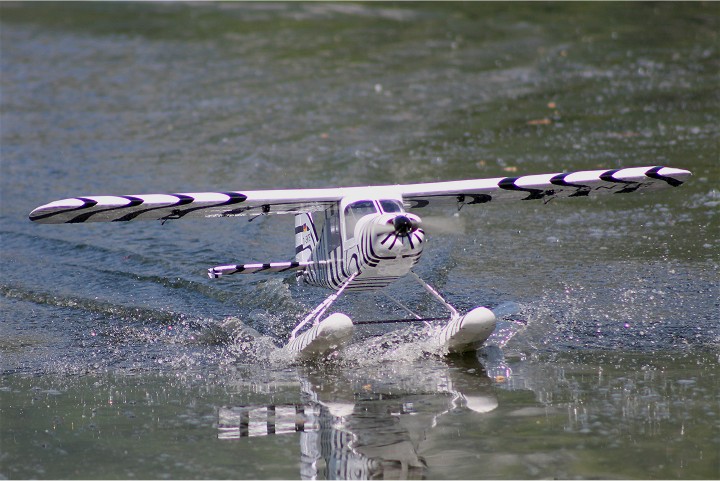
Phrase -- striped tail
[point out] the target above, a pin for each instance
(306, 237)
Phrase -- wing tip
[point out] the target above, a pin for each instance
(673, 176)
(673, 171)
(42, 215)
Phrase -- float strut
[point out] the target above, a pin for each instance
(453, 312)
(320, 310)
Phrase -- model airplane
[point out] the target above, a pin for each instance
(359, 238)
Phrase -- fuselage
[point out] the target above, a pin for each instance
(372, 239)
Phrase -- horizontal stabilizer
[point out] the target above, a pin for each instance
(215, 272)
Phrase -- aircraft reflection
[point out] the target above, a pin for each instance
(364, 426)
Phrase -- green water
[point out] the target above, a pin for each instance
(120, 359)
(617, 416)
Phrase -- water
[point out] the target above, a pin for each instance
(116, 349)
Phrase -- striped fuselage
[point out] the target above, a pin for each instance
(378, 248)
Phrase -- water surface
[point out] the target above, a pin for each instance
(117, 349)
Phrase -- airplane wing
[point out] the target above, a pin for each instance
(106, 208)
(544, 187)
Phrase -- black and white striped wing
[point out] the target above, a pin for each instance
(543, 187)
(123, 208)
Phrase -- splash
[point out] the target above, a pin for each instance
(401, 345)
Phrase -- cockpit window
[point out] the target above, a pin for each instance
(390, 206)
(354, 212)
(361, 208)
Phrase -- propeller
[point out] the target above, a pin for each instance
(451, 224)
(401, 225)
(404, 226)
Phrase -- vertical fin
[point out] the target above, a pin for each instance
(305, 236)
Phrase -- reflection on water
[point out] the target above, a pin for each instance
(580, 415)
(365, 428)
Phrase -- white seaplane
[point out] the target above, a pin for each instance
(359, 238)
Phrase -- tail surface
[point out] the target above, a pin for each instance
(306, 237)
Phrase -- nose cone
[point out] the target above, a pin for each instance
(394, 245)
(403, 226)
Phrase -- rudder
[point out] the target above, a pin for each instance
(305, 236)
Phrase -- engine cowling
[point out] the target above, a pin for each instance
(397, 235)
